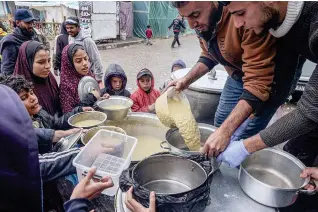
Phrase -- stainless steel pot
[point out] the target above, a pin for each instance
(168, 174)
(204, 94)
(90, 115)
(175, 143)
(115, 114)
(271, 177)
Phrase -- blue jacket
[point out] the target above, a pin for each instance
(21, 168)
(19, 162)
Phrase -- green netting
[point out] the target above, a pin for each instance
(158, 14)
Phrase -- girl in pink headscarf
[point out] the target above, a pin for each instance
(75, 65)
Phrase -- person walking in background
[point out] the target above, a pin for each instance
(10, 44)
(78, 37)
(60, 42)
(148, 35)
(176, 26)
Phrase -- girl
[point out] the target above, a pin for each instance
(75, 65)
(34, 63)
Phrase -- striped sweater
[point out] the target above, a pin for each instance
(302, 38)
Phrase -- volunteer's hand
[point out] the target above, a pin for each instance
(134, 206)
(86, 109)
(90, 190)
(234, 154)
(313, 174)
(216, 143)
(181, 84)
(151, 108)
(58, 134)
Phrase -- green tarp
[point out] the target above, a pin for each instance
(158, 14)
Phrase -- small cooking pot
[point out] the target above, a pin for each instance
(271, 177)
(169, 174)
(176, 145)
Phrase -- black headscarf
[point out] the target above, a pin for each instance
(63, 29)
(30, 50)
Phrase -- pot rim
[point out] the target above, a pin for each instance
(201, 126)
(172, 156)
(77, 114)
(284, 154)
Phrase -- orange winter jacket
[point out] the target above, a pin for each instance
(142, 100)
(242, 53)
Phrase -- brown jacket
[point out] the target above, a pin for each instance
(247, 52)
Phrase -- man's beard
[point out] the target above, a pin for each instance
(26, 32)
(271, 18)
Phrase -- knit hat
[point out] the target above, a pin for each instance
(178, 62)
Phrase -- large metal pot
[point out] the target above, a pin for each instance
(141, 125)
(204, 94)
(115, 114)
(176, 145)
(168, 174)
(271, 177)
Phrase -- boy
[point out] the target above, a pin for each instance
(115, 81)
(145, 97)
(176, 65)
(148, 35)
(40, 118)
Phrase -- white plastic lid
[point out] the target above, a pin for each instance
(108, 151)
(207, 83)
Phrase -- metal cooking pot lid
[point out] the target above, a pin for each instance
(208, 83)
(87, 85)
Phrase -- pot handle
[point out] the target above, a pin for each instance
(310, 192)
(165, 145)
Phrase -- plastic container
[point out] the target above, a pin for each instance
(110, 152)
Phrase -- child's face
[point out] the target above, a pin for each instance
(42, 64)
(81, 62)
(116, 83)
(176, 67)
(145, 83)
(30, 102)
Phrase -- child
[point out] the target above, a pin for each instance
(115, 81)
(41, 118)
(148, 35)
(176, 65)
(22, 169)
(75, 65)
(145, 97)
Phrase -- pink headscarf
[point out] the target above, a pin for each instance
(69, 79)
(46, 89)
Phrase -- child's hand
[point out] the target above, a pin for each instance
(152, 108)
(90, 190)
(86, 109)
(106, 96)
(134, 206)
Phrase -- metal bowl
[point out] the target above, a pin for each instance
(115, 114)
(168, 174)
(90, 115)
(91, 132)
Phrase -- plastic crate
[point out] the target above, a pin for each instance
(110, 152)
